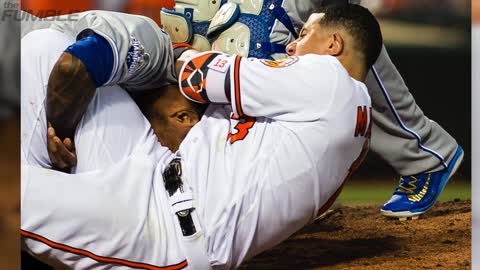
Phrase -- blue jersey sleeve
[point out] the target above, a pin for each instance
(96, 54)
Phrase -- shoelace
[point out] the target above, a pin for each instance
(406, 186)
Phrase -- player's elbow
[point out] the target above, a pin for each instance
(64, 63)
(69, 66)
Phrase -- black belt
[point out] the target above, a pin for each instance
(172, 178)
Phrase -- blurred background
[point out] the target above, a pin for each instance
(428, 40)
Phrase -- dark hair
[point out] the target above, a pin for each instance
(145, 100)
(360, 24)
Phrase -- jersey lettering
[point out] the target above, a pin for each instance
(364, 122)
(245, 123)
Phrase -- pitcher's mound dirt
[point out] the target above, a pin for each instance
(360, 238)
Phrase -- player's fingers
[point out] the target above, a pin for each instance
(65, 153)
(69, 144)
(62, 155)
(68, 152)
(50, 133)
(51, 145)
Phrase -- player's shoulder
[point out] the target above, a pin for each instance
(326, 62)
(326, 65)
(321, 59)
(114, 17)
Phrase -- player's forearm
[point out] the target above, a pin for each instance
(70, 90)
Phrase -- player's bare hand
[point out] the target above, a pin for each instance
(62, 153)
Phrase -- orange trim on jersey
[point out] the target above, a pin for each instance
(236, 79)
(89, 254)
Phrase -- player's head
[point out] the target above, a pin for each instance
(170, 114)
(345, 31)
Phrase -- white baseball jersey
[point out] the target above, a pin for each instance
(142, 52)
(143, 59)
(256, 179)
(112, 213)
(269, 163)
(40, 50)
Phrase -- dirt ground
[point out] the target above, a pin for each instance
(359, 238)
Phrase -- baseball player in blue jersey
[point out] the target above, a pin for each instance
(418, 148)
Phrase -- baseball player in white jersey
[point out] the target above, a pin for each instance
(416, 147)
(248, 175)
(141, 58)
(90, 207)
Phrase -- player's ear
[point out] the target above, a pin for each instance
(186, 117)
(336, 44)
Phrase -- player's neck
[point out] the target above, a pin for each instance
(358, 74)
(355, 68)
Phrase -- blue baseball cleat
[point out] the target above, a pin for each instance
(417, 193)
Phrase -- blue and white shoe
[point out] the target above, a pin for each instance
(417, 193)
